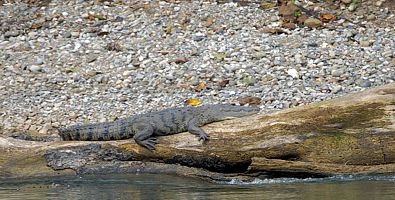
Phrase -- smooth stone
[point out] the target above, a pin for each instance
(293, 73)
(298, 58)
(67, 35)
(336, 89)
(365, 83)
(312, 22)
(364, 43)
(39, 61)
(35, 68)
(352, 7)
(75, 34)
(127, 73)
(198, 38)
(11, 34)
(118, 19)
(371, 17)
(231, 67)
(32, 34)
(337, 72)
(139, 76)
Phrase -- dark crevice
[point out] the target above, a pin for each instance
(288, 157)
(210, 163)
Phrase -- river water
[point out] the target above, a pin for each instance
(154, 186)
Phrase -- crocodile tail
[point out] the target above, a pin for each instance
(63, 135)
(69, 133)
(99, 132)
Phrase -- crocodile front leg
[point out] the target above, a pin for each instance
(143, 132)
(193, 127)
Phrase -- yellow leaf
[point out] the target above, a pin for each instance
(327, 17)
(193, 102)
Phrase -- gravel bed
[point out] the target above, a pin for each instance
(68, 62)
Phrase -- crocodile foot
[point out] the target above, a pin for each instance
(149, 143)
(204, 137)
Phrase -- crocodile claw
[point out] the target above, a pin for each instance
(149, 143)
(204, 137)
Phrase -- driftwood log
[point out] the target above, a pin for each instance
(353, 134)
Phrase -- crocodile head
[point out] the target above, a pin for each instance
(224, 112)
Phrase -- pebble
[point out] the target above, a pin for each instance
(312, 22)
(35, 68)
(75, 34)
(127, 73)
(67, 35)
(337, 72)
(379, 3)
(39, 61)
(231, 67)
(365, 83)
(365, 43)
(335, 89)
(118, 19)
(293, 72)
(11, 34)
(371, 17)
(298, 58)
(352, 7)
(63, 73)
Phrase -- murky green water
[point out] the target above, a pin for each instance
(171, 187)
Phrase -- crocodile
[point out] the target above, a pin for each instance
(144, 128)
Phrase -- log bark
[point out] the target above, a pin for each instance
(353, 134)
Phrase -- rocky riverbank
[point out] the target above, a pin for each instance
(67, 62)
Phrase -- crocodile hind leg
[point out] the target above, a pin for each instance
(143, 133)
(194, 128)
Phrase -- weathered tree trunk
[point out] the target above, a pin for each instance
(354, 134)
